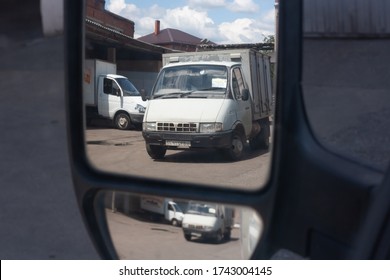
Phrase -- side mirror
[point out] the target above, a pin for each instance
(245, 94)
(316, 203)
(144, 95)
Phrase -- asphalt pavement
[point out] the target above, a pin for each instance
(39, 217)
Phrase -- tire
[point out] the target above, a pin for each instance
(122, 121)
(237, 147)
(187, 237)
(175, 222)
(219, 237)
(227, 235)
(261, 140)
(156, 152)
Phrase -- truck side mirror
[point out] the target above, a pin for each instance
(144, 96)
(245, 94)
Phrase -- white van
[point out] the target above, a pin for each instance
(208, 220)
(111, 96)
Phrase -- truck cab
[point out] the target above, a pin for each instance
(162, 208)
(208, 220)
(119, 100)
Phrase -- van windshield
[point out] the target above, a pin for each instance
(127, 87)
(202, 209)
(177, 208)
(191, 81)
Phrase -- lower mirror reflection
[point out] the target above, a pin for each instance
(152, 227)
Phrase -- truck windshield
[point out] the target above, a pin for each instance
(191, 81)
(127, 87)
(202, 209)
(177, 208)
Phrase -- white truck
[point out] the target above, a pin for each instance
(111, 96)
(162, 208)
(213, 99)
(208, 220)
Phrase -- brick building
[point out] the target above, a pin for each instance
(173, 39)
(110, 37)
(96, 10)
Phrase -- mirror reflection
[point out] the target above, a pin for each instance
(179, 229)
(171, 101)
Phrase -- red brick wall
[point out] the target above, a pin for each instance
(95, 10)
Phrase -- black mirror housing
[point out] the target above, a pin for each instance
(245, 94)
(144, 95)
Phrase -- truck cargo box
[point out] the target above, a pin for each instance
(254, 64)
(93, 68)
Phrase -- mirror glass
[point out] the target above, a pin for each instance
(152, 227)
(197, 124)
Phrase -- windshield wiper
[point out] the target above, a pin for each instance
(210, 88)
(167, 95)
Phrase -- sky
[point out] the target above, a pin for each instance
(220, 21)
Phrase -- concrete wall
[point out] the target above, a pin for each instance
(52, 13)
(348, 18)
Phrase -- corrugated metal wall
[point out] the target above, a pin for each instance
(346, 18)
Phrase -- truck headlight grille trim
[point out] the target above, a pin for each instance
(177, 127)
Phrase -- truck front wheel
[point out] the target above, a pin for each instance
(122, 121)
(219, 237)
(227, 235)
(156, 152)
(187, 236)
(237, 147)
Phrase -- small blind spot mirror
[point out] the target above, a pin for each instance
(199, 229)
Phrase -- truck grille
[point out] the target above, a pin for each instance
(177, 127)
(195, 226)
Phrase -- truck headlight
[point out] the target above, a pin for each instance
(210, 127)
(140, 108)
(149, 126)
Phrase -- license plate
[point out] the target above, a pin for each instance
(179, 144)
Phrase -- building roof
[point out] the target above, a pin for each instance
(170, 36)
(113, 37)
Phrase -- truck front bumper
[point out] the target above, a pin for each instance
(200, 233)
(169, 140)
(137, 118)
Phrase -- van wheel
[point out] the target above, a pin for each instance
(122, 121)
(227, 235)
(219, 237)
(187, 237)
(156, 152)
(175, 223)
(237, 147)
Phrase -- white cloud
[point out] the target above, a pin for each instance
(246, 6)
(119, 7)
(186, 19)
(244, 30)
(197, 22)
(206, 3)
(116, 6)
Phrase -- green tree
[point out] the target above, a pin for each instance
(269, 39)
